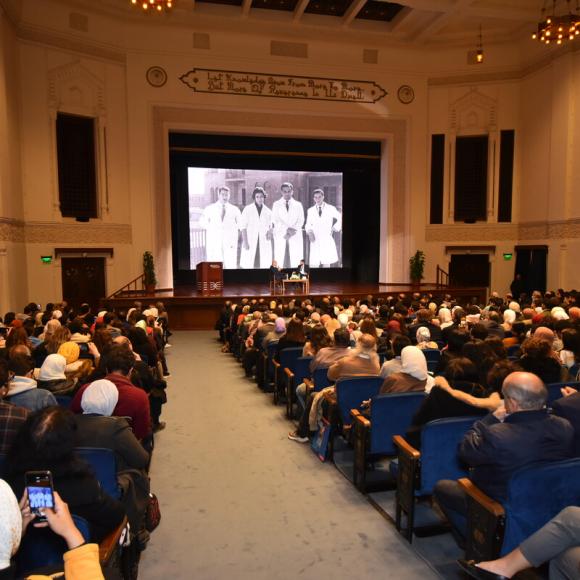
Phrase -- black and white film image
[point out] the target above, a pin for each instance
(246, 218)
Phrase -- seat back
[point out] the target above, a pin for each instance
(320, 379)
(554, 390)
(433, 355)
(105, 467)
(301, 369)
(513, 351)
(440, 441)
(289, 355)
(536, 494)
(574, 370)
(2, 464)
(391, 414)
(352, 391)
(63, 401)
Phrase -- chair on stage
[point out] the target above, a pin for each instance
(276, 286)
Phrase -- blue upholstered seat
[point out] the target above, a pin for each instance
(105, 467)
(535, 495)
(433, 355)
(418, 472)
(295, 374)
(352, 391)
(554, 390)
(390, 414)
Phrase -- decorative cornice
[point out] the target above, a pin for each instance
(11, 230)
(554, 230)
(48, 232)
(81, 46)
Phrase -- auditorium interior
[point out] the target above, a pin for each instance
(456, 132)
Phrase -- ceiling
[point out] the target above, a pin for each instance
(407, 22)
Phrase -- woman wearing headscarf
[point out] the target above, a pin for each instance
(76, 368)
(413, 375)
(445, 318)
(80, 561)
(97, 428)
(52, 376)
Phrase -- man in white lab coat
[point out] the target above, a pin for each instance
(322, 220)
(256, 228)
(288, 219)
(221, 222)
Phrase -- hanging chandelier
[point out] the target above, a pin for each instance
(153, 5)
(554, 28)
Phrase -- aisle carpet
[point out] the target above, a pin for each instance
(241, 501)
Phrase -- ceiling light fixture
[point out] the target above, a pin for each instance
(153, 5)
(555, 29)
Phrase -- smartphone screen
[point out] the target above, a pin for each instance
(40, 492)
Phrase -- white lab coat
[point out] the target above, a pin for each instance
(282, 220)
(221, 237)
(256, 226)
(323, 248)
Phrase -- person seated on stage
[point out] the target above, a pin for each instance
(303, 270)
(276, 273)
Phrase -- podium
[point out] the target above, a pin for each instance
(210, 277)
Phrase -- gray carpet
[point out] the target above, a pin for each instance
(239, 500)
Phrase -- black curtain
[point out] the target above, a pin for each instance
(531, 265)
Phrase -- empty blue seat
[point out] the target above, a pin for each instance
(390, 414)
(295, 374)
(288, 357)
(419, 471)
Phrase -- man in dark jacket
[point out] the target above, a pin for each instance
(569, 408)
(424, 317)
(516, 435)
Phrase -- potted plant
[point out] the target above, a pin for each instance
(149, 278)
(417, 266)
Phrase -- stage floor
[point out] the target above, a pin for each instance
(189, 309)
(263, 290)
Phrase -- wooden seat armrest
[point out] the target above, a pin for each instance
(275, 363)
(309, 384)
(109, 544)
(288, 372)
(357, 417)
(492, 506)
(404, 447)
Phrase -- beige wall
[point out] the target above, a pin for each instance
(52, 67)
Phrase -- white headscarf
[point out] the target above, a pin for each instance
(129, 312)
(414, 363)
(445, 317)
(10, 524)
(513, 305)
(509, 316)
(100, 397)
(52, 368)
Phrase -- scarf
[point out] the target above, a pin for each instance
(100, 398)
(10, 524)
(70, 351)
(52, 368)
(414, 363)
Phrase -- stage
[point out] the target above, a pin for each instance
(191, 310)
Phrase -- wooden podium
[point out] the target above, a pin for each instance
(210, 277)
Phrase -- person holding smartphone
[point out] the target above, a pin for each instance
(80, 561)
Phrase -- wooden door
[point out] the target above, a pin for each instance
(469, 270)
(83, 280)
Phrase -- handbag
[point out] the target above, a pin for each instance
(153, 514)
(320, 441)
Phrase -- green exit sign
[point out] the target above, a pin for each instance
(46, 259)
(507, 256)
